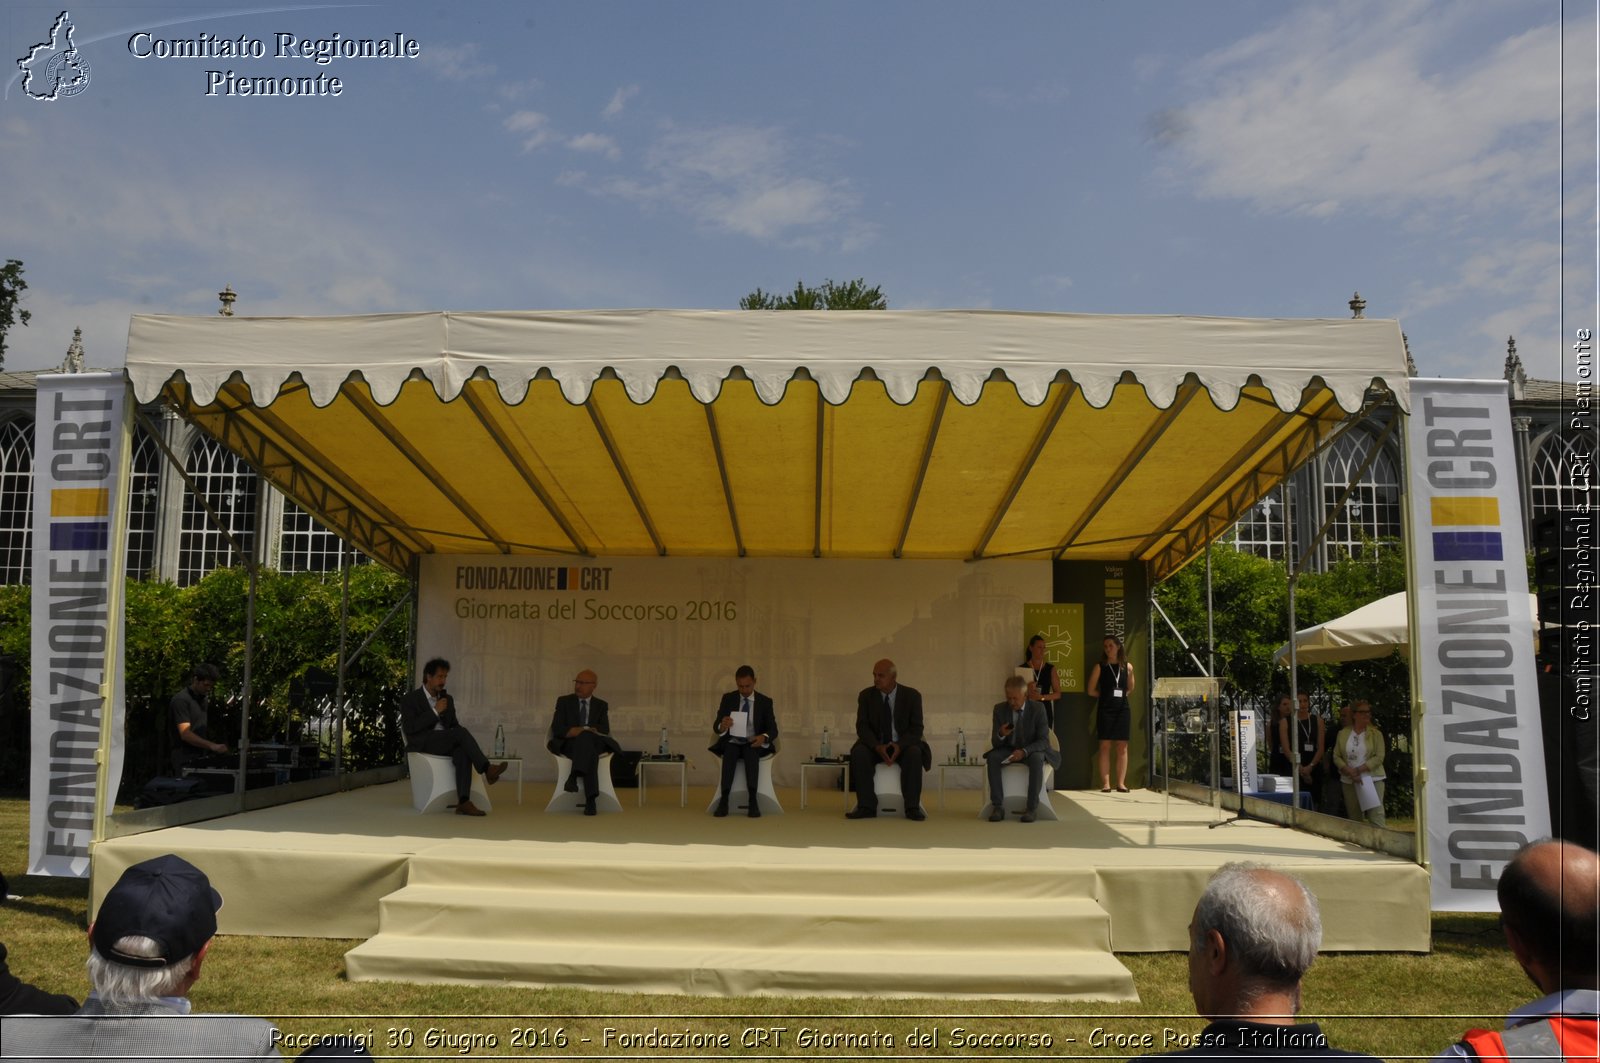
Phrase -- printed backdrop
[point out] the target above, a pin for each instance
(665, 635)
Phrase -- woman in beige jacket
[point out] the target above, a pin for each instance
(1359, 751)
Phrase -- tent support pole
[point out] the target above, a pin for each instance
(253, 568)
(816, 520)
(1021, 476)
(922, 468)
(1152, 436)
(722, 471)
(622, 472)
(344, 637)
(105, 787)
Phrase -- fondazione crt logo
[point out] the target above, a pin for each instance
(54, 69)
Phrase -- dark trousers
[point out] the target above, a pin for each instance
(997, 760)
(732, 755)
(458, 744)
(864, 759)
(584, 752)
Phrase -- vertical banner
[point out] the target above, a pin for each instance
(1484, 788)
(1242, 739)
(77, 641)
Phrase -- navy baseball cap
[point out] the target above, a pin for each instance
(167, 900)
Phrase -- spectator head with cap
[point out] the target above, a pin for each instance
(152, 931)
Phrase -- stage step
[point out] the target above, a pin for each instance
(964, 930)
(774, 921)
(863, 876)
(998, 971)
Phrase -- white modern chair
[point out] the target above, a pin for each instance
(433, 783)
(891, 797)
(739, 796)
(604, 801)
(1014, 791)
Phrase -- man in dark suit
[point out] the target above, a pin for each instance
(428, 717)
(1021, 734)
(581, 732)
(748, 742)
(888, 731)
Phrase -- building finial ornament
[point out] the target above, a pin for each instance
(73, 362)
(1514, 371)
(1358, 306)
(227, 296)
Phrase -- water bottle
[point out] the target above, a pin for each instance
(500, 740)
(961, 745)
(663, 750)
(827, 750)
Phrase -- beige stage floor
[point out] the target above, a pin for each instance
(319, 868)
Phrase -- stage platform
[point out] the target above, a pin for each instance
(666, 898)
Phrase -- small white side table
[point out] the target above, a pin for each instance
(683, 778)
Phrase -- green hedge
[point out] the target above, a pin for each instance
(170, 628)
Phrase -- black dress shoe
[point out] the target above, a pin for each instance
(572, 784)
(997, 815)
(916, 815)
(861, 813)
(755, 810)
(589, 809)
(1028, 816)
(722, 808)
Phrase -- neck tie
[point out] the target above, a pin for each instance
(888, 719)
(746, 704)
(583, 713)
(1016, 727)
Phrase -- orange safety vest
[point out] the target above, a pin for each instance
(1545, 1040)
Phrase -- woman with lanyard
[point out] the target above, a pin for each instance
(1111, 684)
(1359, 751)
(1043, 686)
(1310, 740)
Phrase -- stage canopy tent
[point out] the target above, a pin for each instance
(932, 434)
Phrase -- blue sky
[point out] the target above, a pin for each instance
(1207, 158)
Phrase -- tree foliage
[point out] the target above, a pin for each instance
(170, 629)
(851, 295)
(11, 288)
(1250, 599)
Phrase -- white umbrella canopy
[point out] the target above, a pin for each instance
(1374, 630)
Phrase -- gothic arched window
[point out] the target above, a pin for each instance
(1372, 510)
(16, 501)
(229, 485)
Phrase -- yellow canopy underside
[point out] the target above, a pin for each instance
(931, 477)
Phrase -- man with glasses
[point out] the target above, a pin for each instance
(581, 732)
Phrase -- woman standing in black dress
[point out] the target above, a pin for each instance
(1310, 738)
(1043, 687)
(1279, 742)
(1111, 684)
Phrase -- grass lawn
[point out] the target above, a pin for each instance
(1394, 1006)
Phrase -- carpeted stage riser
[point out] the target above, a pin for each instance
(731, 928)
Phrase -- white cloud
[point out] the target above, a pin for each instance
(1337, 109)
(455, 62)
(619, 100)
(597, 143)
(744, 180)
(532, 126)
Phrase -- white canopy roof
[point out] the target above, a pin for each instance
(768, 433)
